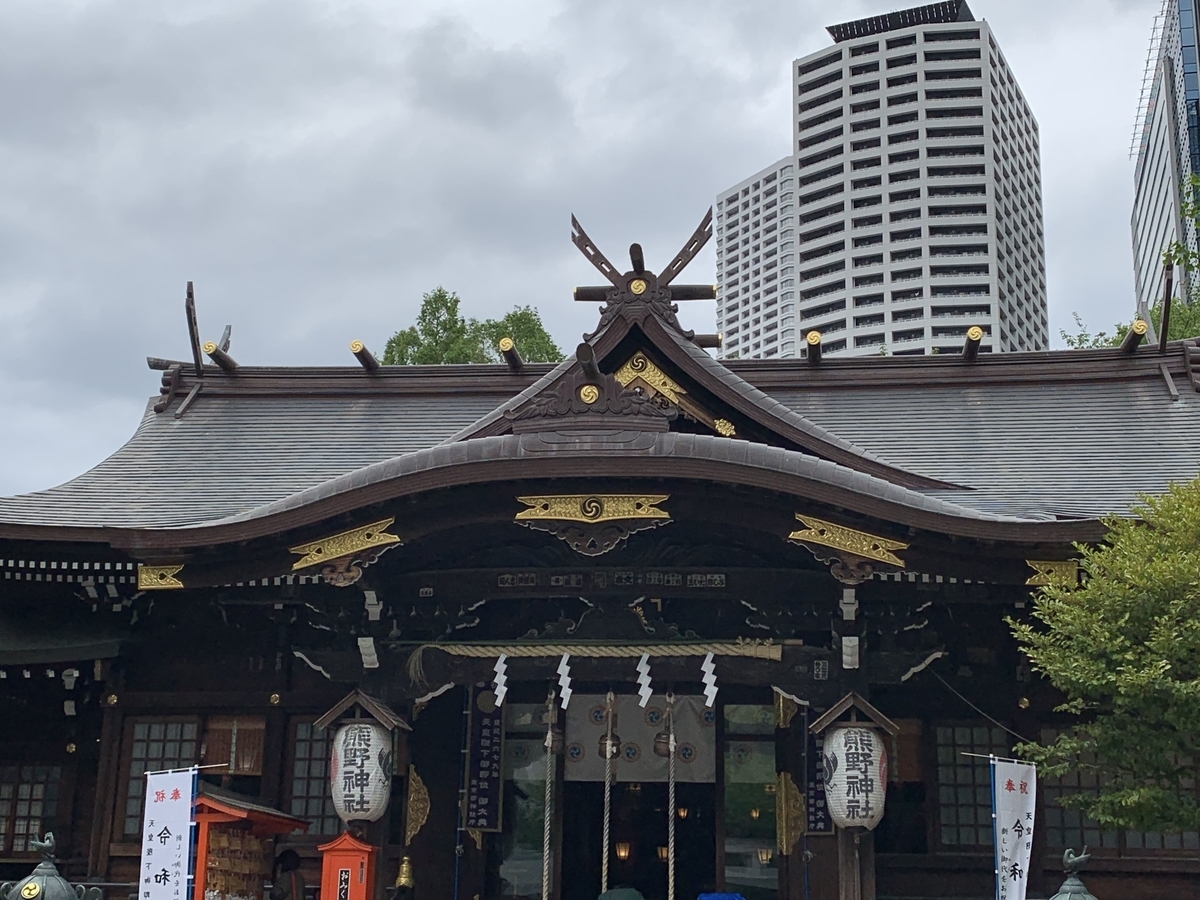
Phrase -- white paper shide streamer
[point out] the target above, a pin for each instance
(500, 682)
(564, 679)
(709, 668)
(855, 776)
(645, 692)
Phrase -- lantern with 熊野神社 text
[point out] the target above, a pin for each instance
(360, 771)
(856, 775)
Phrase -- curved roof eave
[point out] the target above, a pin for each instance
(608, 455)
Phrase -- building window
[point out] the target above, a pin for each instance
(153, 745)
(28, 802)
(310, 795)
(965, 783)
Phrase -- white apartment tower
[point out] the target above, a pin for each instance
(910, 209)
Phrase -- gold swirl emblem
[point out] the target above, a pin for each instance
(209, 346)
(975, 333)
(505, 344)
(356, 346)
(637, 286)
(589, 394)
(31, 890)
(591, 507)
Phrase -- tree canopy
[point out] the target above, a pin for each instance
(442, 335)
(1123, 646)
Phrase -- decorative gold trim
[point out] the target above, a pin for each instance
(790, 814)
(785, 710)
(345, 543)
(477, 837)
(839, 537)
(975, 333)
(505, 344)
(724, 427)
(637, 287)
(639, 367)
(158, 578)
(589, 394)
(593, 508)
(357, 346)
(1047, 572)
(418, 805)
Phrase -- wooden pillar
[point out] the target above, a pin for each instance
(103, 809)
(856, 864)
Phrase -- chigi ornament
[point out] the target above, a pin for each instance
(360, 771)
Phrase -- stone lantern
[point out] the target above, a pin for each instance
(45, 883)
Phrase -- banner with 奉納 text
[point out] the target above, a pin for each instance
(1014, 792)
(167, 835)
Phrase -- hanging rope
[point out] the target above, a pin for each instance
(608, 755)
(671, 799)
(751, 649)
(550, 716)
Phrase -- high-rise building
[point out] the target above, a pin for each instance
(1167, 144)
(909, 209)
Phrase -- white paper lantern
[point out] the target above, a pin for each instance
(856, 775)
(360, 771)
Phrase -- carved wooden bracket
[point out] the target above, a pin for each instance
(640, 372)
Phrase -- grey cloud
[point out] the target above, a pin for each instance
(315, 167)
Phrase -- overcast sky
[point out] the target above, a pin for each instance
(315, 167)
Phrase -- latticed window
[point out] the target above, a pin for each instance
(154, 745)
(311, 798)
(965, 783)
(28, 802)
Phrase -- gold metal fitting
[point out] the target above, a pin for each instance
(589, 394)
(274, 699)
(1023, 703)
(209, 346)
(404, 878)
(505, 344)
(71, 748)
(637, 286)
(975, 333)
(813, 338)
(111, 700)
(1139, 326)
(356, 346)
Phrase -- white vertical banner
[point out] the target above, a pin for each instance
(1014, 793)
(167, 835)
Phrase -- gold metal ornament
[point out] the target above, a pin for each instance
(848, 540)
(589, 393)
(637, 287)
(593, 507)
(639, 371)
(345, 543)
(158, 578)
(505, 344)
(418, 805)
(790, 814)
(1048, 572)
(975, 333)
(357, 346)
(274, 699)
(111, 700)
(31, 890)
(404, 878)
(210, 346)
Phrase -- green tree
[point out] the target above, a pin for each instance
(1123, 647)
(442, 335)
